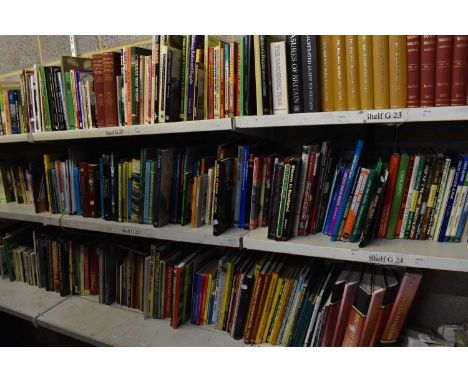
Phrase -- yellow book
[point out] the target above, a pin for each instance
(352, 73)
(326, 77)
(381, 73)
(397, 69)
(279, 318)
(279, 286)
(366, 74)
(48, 164)
(226, 294)
(258, 75)
(266, 307)
(207, 299)
(340, 91)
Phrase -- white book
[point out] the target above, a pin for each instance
(461, 190)
(216, 95)
(455, 207)
(409, 196)
(279, 80)
(440, 195)
(444, 203)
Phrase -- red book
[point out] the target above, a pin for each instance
(210, 83)
(388, 197)
(238, 65)
(459, 71)
(168, 290)
(443, 81)
(412, 72)
(221, 82)
(111, 68)
(408, 288)
(349, 293)
(306, 207)
(405, 195)
(427, 70)
(98, 83)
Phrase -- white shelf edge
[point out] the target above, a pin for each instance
(14, 138)
(411, 253)
(136, 130)
(384, 116)
(174, 232)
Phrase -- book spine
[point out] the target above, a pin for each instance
(110, 89)
(412, 70)
(427, 70)
(404, 199)
(211, 84)
(419, 202)
(216, 82)
(337, 203)
(326, 74)
(282, 202)
(191, 78)
(265, 72)
(381, 72)
(98, 79)
(443, 70)
(310, 74)
(414, 197)
(409, 197)
(232, 78)
(279, 78)
(397, 68)
(458, 201)
(258, 75)
(340, 92)
(295, 80)
(352, 72)
(353, 209)
(366, 76)
(440, 196)
(459, 71)
(389, 192)
(308, 173)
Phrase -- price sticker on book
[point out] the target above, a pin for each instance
(385, 116)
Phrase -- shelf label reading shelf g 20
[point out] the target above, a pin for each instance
(127, 231)
(385, 116)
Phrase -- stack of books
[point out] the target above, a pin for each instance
(193, 77)
(257, 297)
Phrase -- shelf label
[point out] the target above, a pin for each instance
(115, 132)
(127, 231)
(397, 115)
(418, 261)
(375, 258)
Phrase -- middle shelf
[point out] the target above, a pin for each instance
(411, 253)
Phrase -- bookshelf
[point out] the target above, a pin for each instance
(83, 318)
(406, 253)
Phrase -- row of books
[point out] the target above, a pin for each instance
(202, 77)
(260, 297)
(351, 196)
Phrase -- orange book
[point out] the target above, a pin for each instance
(356, 201)
(340, 92)
(352, 73)
(366, 73)
(381, 73)
(397, 68)
(326, 77)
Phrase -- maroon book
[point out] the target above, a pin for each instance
(427, 70)
(459, 71)
(111, 69)
(83, 167)
(98, 79)
(443, 77)
(412, 72)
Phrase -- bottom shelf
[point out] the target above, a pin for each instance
(83, 318)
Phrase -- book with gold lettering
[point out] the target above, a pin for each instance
(381, 72)
(352, 72)
(366, 73)
(326, 77)
(397, 67)
(340, 87)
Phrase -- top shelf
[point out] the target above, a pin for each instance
(384, 116)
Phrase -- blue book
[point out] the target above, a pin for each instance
(78, 97)
(210, 309)
(245, 176)
(146, 199)
(195, 299)
(332, 199)
(347, 190)
(449, 205)
(13, 101)
(101, 186)
(460, 184)
(76, 184)
(464, 217)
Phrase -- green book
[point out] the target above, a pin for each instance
(283, 197)
(120, 168)
(69, 97)
(367, 195)
(241, 75)
(151, 197)
(45, 99)
(397, 196)
(415, 196)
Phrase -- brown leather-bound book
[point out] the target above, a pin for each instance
(381, 72)
(443, 76)
(397, 68)
(412, 70)
(459, 71)
(340, 91)
(366, 74)
(326, 76)
(111, 69)
(98, 79)
(427, 72)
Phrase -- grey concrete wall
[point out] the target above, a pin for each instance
(18, 52)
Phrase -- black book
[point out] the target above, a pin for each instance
(248, 203)
(293, 52)
(275, 198)
(265, 69)
(310, 74)
(109, 274)
(323, 189)
(64, 269)
(176, 173)
(295, 175)
(246, 290)
(222, 219)
(250, 104)
(163, 187)
(169, 101)
(427, 188)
